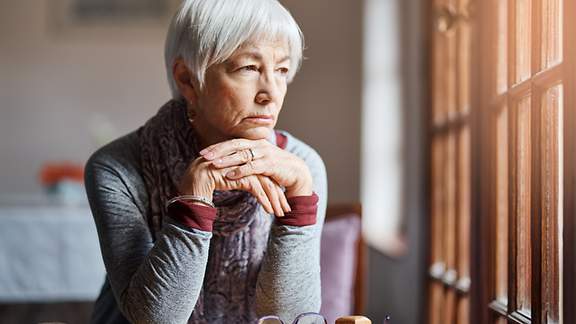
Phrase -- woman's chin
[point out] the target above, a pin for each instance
(257, 133)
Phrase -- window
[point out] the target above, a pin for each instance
(502, 194)
(450, 149)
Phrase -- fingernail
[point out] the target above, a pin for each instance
(208, 156)
(231, 174)
(219, 161)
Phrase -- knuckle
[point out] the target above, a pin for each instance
(259, 191)
(246, 157)
(244, 183)
(262, 194)
(236, 143)
(266, 183)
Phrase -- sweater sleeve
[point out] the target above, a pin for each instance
(152, 281)
(289, 281)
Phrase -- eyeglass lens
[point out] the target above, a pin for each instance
(270, 320)
(310, 319)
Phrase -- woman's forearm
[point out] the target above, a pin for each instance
(289, 281)
(153, 281)
(166, 284)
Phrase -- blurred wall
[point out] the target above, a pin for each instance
(59, 89)
(396, 283)
(57, 86)
(323, 105)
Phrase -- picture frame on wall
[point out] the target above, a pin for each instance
(108, 18)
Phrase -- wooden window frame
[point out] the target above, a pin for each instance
(569, 236)
(483, 249)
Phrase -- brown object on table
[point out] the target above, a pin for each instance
(353, 320)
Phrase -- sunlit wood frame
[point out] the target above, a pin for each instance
(488, 105)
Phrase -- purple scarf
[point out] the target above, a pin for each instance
(168, 145)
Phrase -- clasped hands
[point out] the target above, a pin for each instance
(256, 166)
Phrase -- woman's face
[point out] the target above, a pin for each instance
(242, 96)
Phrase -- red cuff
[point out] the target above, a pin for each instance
(303, 212)
(192, 215)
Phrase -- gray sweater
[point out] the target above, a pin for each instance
(159, 281)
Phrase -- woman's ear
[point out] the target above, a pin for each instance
(183, 79)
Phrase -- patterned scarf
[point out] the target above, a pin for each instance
(168, 145)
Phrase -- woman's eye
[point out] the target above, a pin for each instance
(249, 68)
(283, 70)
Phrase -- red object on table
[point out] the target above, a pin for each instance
(54, 172)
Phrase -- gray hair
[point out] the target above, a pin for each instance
(207, 32)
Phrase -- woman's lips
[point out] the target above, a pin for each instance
(260, 119)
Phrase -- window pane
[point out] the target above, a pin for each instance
(444, 86)
(464, 45)
(450, 306)
(464, 310)
(523, 39)
(450, 226)
(438, 203)
(523, 178)
(436, 303)
(551, 188)
(463, 218)
(437, 222)
(502, 206)
(502, 37)
(449, 229)
(551, 32)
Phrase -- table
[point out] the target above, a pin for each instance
(49, 251)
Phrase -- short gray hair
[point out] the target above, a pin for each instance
(207, 32)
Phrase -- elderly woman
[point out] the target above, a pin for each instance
(206, 214)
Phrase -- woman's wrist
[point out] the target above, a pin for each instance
(303, 185)
(301, 188)
(201, 192)
(303, 213)
(201, 187)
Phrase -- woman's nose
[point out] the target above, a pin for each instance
(268, 89)
(263, 98)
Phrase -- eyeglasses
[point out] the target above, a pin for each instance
(304, 318)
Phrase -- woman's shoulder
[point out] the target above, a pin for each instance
(116, 167)
(120, 153)
(117, 161)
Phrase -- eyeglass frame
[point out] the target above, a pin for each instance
(274, 317)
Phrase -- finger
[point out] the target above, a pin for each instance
(251, 168)
(222, 149)
(260, 194)
(283, 200)
(235, 159)
(271, 189)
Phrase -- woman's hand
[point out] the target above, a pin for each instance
(259, 157)
(202, 178)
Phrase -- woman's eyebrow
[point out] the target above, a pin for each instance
(258, 56)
